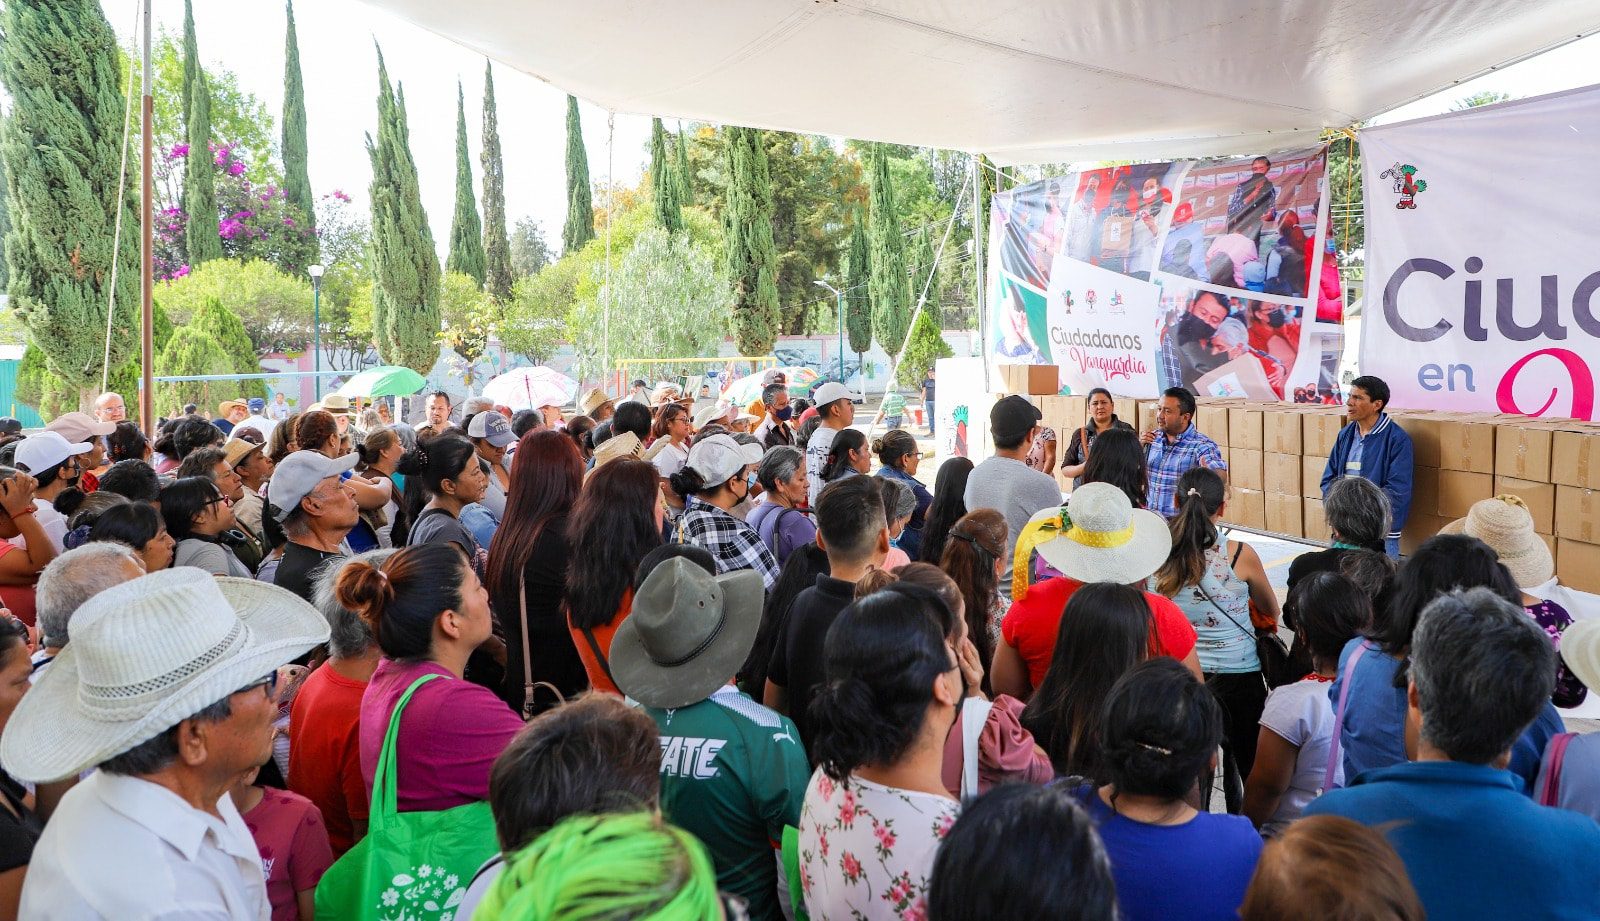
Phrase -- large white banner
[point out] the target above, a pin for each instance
(1483, 257)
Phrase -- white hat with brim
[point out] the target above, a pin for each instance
(1506, 525)
(719, 458)
(147, 655)
(616, 447)
(1580, 649)
(1097, 537)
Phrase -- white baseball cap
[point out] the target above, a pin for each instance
(833, 390)
(719, 457)
(45, 451)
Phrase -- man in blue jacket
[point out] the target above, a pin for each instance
(1374, 448)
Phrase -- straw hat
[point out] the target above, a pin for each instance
(687, 634)
(592, 399)
(147, 655)
(615, 448)
(1097, 537)
(1505, 525)
(1580, 649)
(716, 412)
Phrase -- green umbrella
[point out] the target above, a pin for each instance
(385, 381)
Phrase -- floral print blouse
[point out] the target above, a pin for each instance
(1555, 620)
(866, 850)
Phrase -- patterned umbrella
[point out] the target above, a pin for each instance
(531, 388)
(747, 389)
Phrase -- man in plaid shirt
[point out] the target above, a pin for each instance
(1173, 447)
(717, 477)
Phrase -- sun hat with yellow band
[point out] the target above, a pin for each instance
(1098, 536)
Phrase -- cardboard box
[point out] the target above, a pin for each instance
(1578, 514)
(1313, 523)
(1280, 475)
(1311, 468)
(1540, 499)
(1424, 491)
(1072, 411)
(1126, 410)
(1466, 443)
(1245, 469)
(1212, 421)
(1418, 530)
(1549, 541)
(1147, 415)
(1424, 432)
(1318, 431)
(1042, 380)
(1523, 451)
(1575, 457)
(1247, 509)
(1245, 427)
(1458, 489)
(1241, 377)
(1578, 565)
(1283, 514)
(1280, 431)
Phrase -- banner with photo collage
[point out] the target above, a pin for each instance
(1212, 275)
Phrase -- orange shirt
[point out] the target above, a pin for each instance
(599, 672)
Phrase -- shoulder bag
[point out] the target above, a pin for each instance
(529, 686)
(1271, 652)
(1338, 715)
(974, 714)
(413, 865)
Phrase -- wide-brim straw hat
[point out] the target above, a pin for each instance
(1098, 536)
(686, 634)
(1580, 649)
(592, 399)
(1505, 524)
(147, 655)
(615, 448)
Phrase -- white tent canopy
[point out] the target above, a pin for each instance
(1024, 81)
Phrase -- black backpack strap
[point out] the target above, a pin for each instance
(599, 655)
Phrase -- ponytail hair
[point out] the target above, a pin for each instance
(844, 442)
(377, 441)
(1200, 494)
(893, 448)
(427, 466)
(401, 599)
(881, 658)
(688, 482)
(1159, 730)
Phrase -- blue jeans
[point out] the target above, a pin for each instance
(927, 407)
(1391, 546)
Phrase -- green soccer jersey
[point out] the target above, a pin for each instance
(893, 405)
(733, 773)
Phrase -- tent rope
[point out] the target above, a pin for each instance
(611, 205)
(116, 240)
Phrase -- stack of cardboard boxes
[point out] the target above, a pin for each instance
(1275, 453)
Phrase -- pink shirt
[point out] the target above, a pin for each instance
(293, 845)
(450, 734)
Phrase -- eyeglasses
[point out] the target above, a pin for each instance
(270, 682)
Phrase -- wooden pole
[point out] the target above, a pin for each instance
(147, 396)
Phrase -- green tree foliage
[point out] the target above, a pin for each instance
(497, 252)
(220, 324)
(5, 212)
(681, 171)
(1345, 190)
(466, 233)
(668, 299)
(922, 268)
(664, 181)
(535, 324)
(857, 277)
(296, 171)
(470, 317)
(237, 117)
(199, 179)
(890, 285)
(580, 198)
(405, 266)
(273, 308)
(924, 348)
(60, 65)
(192, 351)
(752, 259)
(529, 251)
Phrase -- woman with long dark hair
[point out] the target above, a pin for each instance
(443, 476)
(138, 525)
(847, 456)
(1215, 582)
(528, 563)
(1102, 419)
(949, 504)
(1118, 459)
(974, 558)
(614, 523)
(201, 521)
(1105, 632)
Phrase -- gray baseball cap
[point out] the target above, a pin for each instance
(719, 457)
(299, 473)
(491, 427)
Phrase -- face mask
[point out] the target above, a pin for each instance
(1329, 246)
(1192, 329)
(783, 414)
(749, 482)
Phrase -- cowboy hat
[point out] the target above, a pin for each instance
(687, 634)
(147, 655)
(592, 399)
(334, 403)
(1098, 536)
(1504, 523)
(615, 448)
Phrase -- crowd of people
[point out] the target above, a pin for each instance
(645, 662)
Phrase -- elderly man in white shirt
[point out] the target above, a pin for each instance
(168, 686)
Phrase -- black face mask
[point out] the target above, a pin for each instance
(1192, 329)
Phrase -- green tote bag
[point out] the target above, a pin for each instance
(411, 866)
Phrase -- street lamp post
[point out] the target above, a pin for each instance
(839, 298)
(316, 323)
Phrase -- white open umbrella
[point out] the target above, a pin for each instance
(531, 388)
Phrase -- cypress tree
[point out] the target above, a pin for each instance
(919, 275)
(752, 256)
(890, 285)
(191, 61)
(201, 236)
(466, 233)
(580, 199)
(496, 243)
(405, 268)
(222, 326)
(685, 186)
(664, 181)
(5, 210)
(61, 143)
(191, 352)
(857, 299)
(296, 172)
